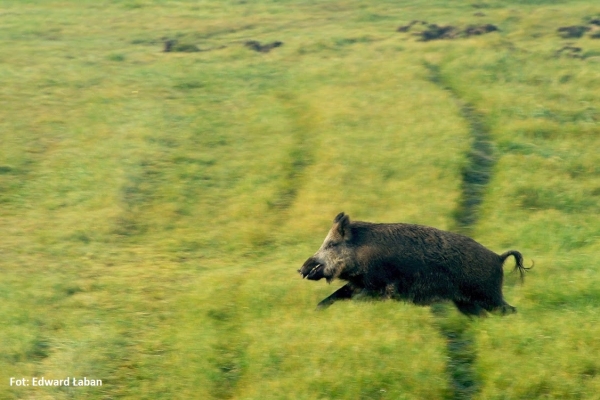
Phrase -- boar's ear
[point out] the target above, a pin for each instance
(342, 226)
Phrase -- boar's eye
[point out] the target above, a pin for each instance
(330, 245)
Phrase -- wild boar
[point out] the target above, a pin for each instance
(413, 263)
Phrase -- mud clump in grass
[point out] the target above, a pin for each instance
(591, 25)
(474, 30)
(262, 48)
(572, 51)
(169, 45)
(406, 28)
(574, 31)
(173, 45)
(436, 32)
(440, 32)
(569, 51)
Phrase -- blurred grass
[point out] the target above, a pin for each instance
(155, 206)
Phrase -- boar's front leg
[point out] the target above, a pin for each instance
(343, 293)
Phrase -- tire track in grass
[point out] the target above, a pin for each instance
(299, 157)
(228, 358)
(476, 174)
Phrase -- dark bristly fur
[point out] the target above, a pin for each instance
(409, 262)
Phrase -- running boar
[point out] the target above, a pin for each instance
(413, 263)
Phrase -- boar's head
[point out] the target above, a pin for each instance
(336, 254)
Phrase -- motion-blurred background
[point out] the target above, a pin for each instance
(165, 168)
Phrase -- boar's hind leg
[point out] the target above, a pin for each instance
(499, 306)
(343, 293)
(469, 309)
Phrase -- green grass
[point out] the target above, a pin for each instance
(155, 206)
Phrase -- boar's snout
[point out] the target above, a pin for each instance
(312, 269)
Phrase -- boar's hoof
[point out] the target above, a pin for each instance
(324, 304)
(470, 309)
(507, 309)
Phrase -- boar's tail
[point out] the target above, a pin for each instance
(519, 259)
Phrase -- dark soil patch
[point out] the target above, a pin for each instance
(406, 28)
(591, 25)
(574, 31)
(174, 45)
(262, 48)
(439, 32)
(569, 51)
(169, 45)
(595, 28)
(435, 32)
(474, 30)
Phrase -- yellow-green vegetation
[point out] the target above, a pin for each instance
(154, 206)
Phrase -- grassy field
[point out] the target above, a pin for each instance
(154, 206)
